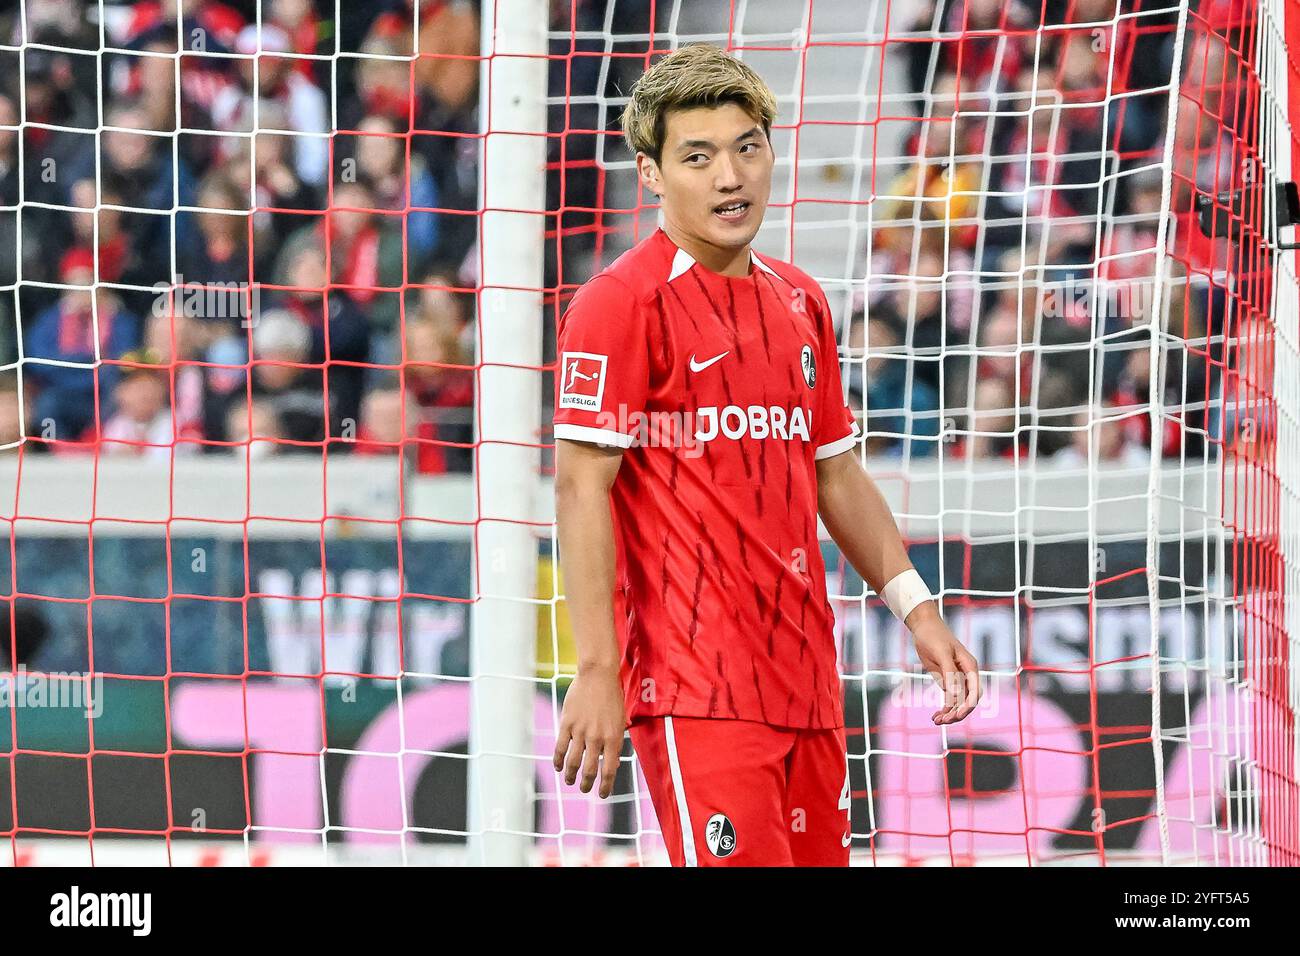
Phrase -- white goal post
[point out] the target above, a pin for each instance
(507, 461)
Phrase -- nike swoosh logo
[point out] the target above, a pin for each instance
(701, 366)
(846, 839)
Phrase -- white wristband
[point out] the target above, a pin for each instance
(904, 592)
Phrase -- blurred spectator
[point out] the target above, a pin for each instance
(278, 190)
(282, 378)
(1005, 355)
(141, 161)
(993, 421)
(1115, 437)
(987, 40)
(1030, 179)
(200, 390)
(388, 418)
(10, 186)
(62, 23)
(1186, 375)
(366, 254)
(215, 268)
(892, 406)
(338, 333)
(152, 78)
(447, 68)
(142, 422)
(1130, 247)
(60, 114)
(575, 173)
(265, 437)
(141, 166)
(304, 105)
(437, 103)
(119, 258)
(15, 414)
(218, 22)
(398, 182)
(440, 378)
(895, 261)
(383, 79)
(302, 25)
(941, 185)
(1205, 156)
(149, 73)
(9, 168)
(66, 334)
(915, 308)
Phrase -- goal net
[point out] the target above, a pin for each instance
(278, 291)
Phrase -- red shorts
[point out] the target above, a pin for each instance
(746, 793)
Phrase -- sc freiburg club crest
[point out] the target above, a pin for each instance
(720, 835)
(809, 366)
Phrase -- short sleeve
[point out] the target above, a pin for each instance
(603, 369)
(835, 430)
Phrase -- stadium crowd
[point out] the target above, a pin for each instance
(328, 314)
(1010, 281)
(358, 326)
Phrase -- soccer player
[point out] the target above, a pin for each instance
(700, 429)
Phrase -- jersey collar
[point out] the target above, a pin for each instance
(683, 260)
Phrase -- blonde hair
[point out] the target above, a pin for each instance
(697, 75)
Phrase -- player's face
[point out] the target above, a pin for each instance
(714, 175)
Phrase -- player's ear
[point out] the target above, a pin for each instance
(648, 172)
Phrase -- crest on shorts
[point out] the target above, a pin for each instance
(720, 836)
(809, 366)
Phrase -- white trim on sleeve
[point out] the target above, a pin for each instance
(596, 436)
(838, 447)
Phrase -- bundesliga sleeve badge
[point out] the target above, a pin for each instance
(582, 380)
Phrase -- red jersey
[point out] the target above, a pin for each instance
(724, 391)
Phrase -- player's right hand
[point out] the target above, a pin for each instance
(591, 727)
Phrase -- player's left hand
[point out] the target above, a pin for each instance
(953, 667)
